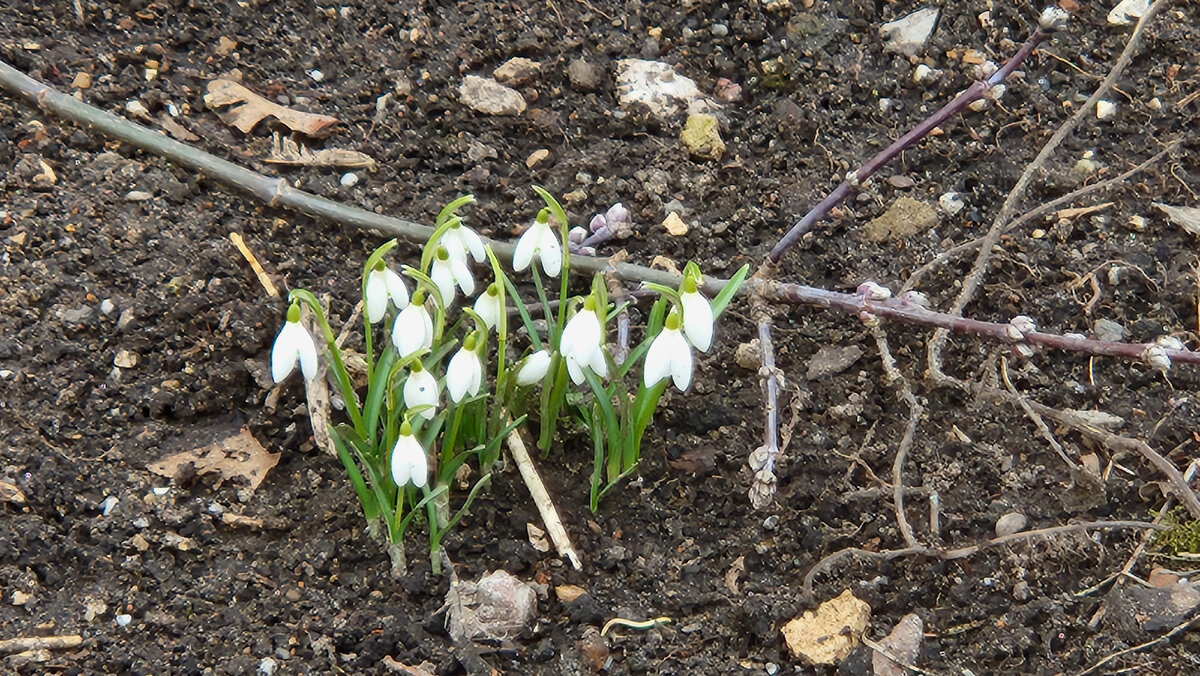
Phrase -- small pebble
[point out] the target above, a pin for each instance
(316, 75)
(161, 490)
(951, 203)
(771, 522)
(138, 196)
(106, 306)
(110, 503)
(136, 107)
(1013, 522)
(719, 30)
(123, 620)
(1105, 110)
(267, 666)
(349, 179)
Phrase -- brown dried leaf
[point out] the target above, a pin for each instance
(1187, 218)
(249, 109)
(238, 456)
(286, 151)
(176, 130)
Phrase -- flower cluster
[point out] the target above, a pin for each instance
(405, 442)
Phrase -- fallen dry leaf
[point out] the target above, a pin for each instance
(237, 457)
(248, 109)
(735, 571)
(286, 151)
(1187, 218)
(176, 130)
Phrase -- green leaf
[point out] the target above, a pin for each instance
(727, 292)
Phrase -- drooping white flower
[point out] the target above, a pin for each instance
(421, 389)
(448, 272)
(488, 307)
(580, 344)
(464, 374)
(534, 368)
(293, 344)
(669, 355)
(461, 241)
(409, 462)
(698, 319)
(383, 284)
(413, 329)
(539, 239)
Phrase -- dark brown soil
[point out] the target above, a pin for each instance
(311, 591)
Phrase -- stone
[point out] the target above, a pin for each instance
(1013, 522)
(675, 225)
(1127, 11)
(904, 643)
(489, 97)
(584, 75)
(828, 634)
(517, 71)
(909, 34)
(832, 359)
(702, 137)
(905, 218)
(655, 85)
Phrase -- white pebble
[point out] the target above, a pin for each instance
(123, 620)
(267, 666)
(110, 503)
(349, 179)
(951, 203)
(160, 490)
(1013, 522)
(136, 107)
(1105, 110)
(316, 75)
(106, 306)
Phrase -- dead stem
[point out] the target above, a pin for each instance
(762, 460)
(541, 498)
(961, 552)
(973, 279)
(1033, 415)
(894, 376)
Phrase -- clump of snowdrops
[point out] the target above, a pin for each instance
(455, 361)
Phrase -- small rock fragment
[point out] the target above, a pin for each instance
(905, 218)
(584, 75)
(123, 620)
(904, 643)
(655, 85)
(828, 634)
(489, 97)
(81, 81)
(675, 225)
(748, 355)
(908, 34)
(1108, 330)
(1127, 11)
(832, 359)
(537, 157)
(138, 196)
(727, 91)
(1105, 110)
(349, 179)
(702, 137)
(1013, 522)
(125, 359)
(517, 71)
(1137, 611)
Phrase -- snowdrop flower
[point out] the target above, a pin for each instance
(464, 374)
(447, 272)
(413, 329)
(421, 389)
(293, 344)
(669, 355)
(534, 368)
(383, 284)
(539, 239)
(488, 307)
(461, 241)
(580, 343)
(409, 462)
(698, 319)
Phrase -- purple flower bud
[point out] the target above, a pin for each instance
(616, 215)
(598, 223)
(873, 291)
(576, 235)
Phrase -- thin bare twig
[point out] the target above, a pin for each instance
(975, 277)
(541, 498)
(893, 375)
(1033, 415)
(961, 552)
(1176, 630)
(762, 459)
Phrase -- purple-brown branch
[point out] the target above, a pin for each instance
(854, 179)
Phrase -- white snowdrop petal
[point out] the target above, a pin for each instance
(376, 296)
(420, 389)
(681, 363)
(462, 275)
(411, 331)
(400, 465)
(658, 362)
(462, 374)
(534, 369)
(283, 355)
(418, 467)
(526, 246)
(697, 320)
(487, 307)
(473, 243)
(443, 278)
(599, 363)
(551, 252)
(574, 370)
(397, 290)
(306, 349)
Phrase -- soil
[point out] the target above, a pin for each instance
(93, 279)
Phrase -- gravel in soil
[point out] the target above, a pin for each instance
(130, 327)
